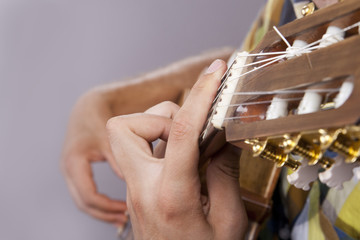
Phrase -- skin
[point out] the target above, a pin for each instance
(163, 185)
(87, 142)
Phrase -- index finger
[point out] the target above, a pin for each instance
(182, 152)
(130, 139)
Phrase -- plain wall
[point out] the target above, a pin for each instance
(52, 51)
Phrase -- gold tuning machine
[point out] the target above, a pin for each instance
(272, 153)
(327, 137)
(347, 146)
(313, 152)
(308, 9)
(310, 145)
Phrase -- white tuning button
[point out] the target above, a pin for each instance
(344, 93)
(296, 49)
(304, 175)
(339, 173)
(356, 172)
(333, 35)
(311, 102)
(278, 108)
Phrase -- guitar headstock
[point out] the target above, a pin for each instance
(296, 96)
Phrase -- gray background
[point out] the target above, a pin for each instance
(52, 51)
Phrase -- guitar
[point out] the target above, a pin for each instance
(293, 101)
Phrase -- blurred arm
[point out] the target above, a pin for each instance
(87, 139)
(165, 84)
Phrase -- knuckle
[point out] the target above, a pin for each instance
(166, 109)
(114, 123)
(181, 128)
(115, 127)
(168, 104)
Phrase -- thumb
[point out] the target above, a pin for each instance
(226, 207)
(182, 151)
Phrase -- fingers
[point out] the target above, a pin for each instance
(166, 109)
(131, 137)
(118, 218)
(159, 151)
(83, 189)
(227, 214)
(182, 150)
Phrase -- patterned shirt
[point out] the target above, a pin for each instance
(322, 212)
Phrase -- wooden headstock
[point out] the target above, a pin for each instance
(307, 81)
(337, 62)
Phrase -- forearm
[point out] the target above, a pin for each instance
(165, 84)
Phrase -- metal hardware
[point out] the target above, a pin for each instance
(347, 146)
(308, 9)
(272, 153)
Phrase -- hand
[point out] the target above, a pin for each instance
(163, 185)
(87, 142)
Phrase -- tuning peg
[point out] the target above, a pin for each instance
(339, 173)
(304, 175)
(348, 147)
(333, 35)
(308, 9)
(272, 153)
(312, 152)
(345, 91)
(327, 137)
(356, 172)
(277, 109)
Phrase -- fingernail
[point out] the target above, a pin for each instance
(214, 66)
(120, 230)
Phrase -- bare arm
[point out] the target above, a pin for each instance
(87, 141)
(163, 191)
(164, 84)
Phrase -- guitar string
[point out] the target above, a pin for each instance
(243, 66)
(334, 34)
(300, 49)
(223, 84)
(275, 59)
(258, 62)
(282, 36)
(324, 90)
(263, 54)
(328, 91)
(261, 116)
(308, 47)
(261, 102)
